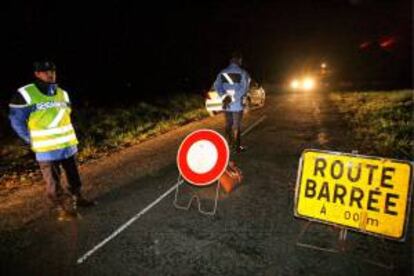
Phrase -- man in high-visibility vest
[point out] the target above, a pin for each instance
(232, 84)
(40, 115)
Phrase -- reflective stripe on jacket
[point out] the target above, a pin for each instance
(49, 123)
(233, 81)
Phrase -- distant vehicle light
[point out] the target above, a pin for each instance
(387, 42)
(295, 84)
(303, 84)
(308, 84)
(365, 45)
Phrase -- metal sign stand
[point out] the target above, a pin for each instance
(389, 266)
(180, 182)
(340, 242)
(341, 247)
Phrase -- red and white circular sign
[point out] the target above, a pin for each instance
(203, 157)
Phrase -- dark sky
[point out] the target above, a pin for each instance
(140, 48)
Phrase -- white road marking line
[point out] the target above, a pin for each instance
(125, 225)
(247, 130)
(146, 209)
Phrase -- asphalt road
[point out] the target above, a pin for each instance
(254, 231)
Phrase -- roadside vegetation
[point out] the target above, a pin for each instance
(100, 131)
(382, 121)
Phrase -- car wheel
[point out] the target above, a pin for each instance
(211, 113)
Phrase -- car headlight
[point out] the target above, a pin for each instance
(308, 84)
(295, 84)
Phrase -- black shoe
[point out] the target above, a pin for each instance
(66, 215)
(80, 201)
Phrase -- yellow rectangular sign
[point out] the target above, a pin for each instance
(368, 194)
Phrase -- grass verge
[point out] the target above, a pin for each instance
(382, 121)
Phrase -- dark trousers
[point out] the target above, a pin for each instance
(233, 125)
(51, 171)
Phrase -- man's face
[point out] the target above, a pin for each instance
(46, 76)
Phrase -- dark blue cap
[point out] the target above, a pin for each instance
(44, 66)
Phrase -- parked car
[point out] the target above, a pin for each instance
(255, 98)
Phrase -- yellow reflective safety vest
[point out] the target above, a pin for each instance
(49, 123)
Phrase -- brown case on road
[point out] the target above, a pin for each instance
(231, 178)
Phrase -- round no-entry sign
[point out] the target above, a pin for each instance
(203, 157)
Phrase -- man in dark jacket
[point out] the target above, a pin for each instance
(232, 84)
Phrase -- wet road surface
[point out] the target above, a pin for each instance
(253, 232)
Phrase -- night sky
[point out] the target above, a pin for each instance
(134, 48)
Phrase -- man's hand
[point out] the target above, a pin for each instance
(226, 101)
(244, 101)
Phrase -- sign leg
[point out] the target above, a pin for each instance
(212, 212)
(342, 239)
(187, 206)
(180, 181)
(312, 246)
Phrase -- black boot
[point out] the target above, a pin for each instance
(80, 201)
(66, 214)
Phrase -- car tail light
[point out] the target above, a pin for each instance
(211, 95)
